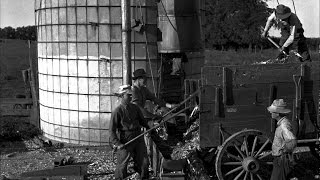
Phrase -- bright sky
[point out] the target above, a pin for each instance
(17, 13)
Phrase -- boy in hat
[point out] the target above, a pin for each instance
(291, 32)
(284, 141)
(127, 120)
(140, 94)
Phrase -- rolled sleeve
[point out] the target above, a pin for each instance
(290, 39)
(271, 19)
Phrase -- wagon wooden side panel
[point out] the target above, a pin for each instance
(236, 97)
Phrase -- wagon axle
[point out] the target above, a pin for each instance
(250, 164)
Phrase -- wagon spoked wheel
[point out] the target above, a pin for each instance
(245, 155)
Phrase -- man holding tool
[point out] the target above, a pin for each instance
(284, 141)
(127, 119)
(140, 94)
(291, 33)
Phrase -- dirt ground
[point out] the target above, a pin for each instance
(30, 155)
(33, 156)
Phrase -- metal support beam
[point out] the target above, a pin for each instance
(126, 41)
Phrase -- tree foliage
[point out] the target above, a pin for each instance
(314, 44)
(23, 33)
(234, 23)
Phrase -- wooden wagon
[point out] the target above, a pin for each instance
(234, 120)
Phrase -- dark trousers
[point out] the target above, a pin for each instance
(299, 44)
(138, 151)
(282, 167)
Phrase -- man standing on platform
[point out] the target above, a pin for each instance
(292, 37)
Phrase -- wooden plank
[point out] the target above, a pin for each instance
(15, 112)
(15, 101)
(231, 127)
(209, 135)
(208, 94)
(55, 178)
(258, 94)
(213, 75)
(251, 93)
(78, 169)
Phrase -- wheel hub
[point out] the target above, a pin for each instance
(250, 164)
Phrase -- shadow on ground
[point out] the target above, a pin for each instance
(13, 132)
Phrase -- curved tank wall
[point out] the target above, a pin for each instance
(179, 23)
(76, 86)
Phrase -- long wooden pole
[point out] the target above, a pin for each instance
(126, 41)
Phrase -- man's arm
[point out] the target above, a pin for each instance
(142, 121)
(289, 138)
(290, 39)
(269, 23)
(157, 101)
(153, 98)
(114, 123)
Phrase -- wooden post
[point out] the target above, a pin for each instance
(34, 119)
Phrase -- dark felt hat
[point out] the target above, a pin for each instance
(139, 73)
(282, 11)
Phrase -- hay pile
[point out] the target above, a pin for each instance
(188, 149)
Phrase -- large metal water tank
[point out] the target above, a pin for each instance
(179, 23)
(75, 86)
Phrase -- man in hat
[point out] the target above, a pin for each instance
(127, 120)
(140, 94)
(291, 33)
(284, 141)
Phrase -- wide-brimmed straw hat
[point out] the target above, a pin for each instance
(139, 73)
(124, 89)
(278, 106)
(282, 11)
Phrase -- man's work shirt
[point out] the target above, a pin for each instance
(127, 117)
(141, 94)
(284, 140)
(290, 27)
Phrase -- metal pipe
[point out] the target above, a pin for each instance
(184, 101)
(155, 127)
(126, 41)
(308, 140)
